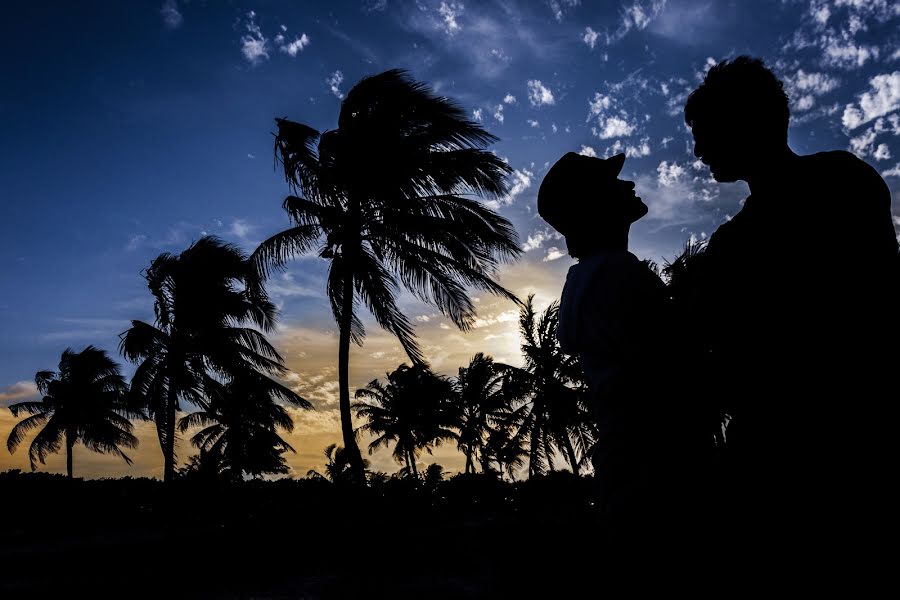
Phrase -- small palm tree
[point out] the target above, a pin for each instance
(337, 467)
(414, 410)
(483, 402)
(200, 335)
(385, 192)
(240, 427)
(85, 401)
(551, 415)
(505, 450)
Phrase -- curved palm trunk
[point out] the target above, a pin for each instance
(350, 446)
(570, 454)
(70, 444)
(169, 449)
(470, 467)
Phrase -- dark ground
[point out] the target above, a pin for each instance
(468, 537)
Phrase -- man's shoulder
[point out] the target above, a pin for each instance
(837, 165)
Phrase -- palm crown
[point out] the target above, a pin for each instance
(85, 401)
(384, 199)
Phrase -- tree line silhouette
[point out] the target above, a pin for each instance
(387, 199)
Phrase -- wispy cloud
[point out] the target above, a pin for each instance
(171, 16)
(882, 97)
(539, 94)
(254, 45)
(334, 82)
(19, 392)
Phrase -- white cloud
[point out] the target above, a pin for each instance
(509, 99)
(533, 124)
(170, 14)
(507, 316)
(554, 127)
(590, 37)
(254, 45)
(285, 285)
(135, 242)
(587, 151)
(893, 172)
(240, 228)
(476, 114)
(536, 240)
(559, 7)
(250, 155)
(861, 145)
(498, 113)
(844, 53)
(294, 47)
(521, 181)
(599, 104)
(882, 152)
(883, 97)
(449, 13)
(803, 87)
(669, 174)
(422, 318)
(539, 94)
(615, 127)
(553, 253)
(334, 82)
(19, 391)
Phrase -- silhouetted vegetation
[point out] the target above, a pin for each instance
(85, 401)
(384, 200)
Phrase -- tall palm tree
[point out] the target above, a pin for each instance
(552, 414)
(200, 335)
(85, 401)
(505, 449)
(482, 402)
(386, 195)
(414, 410)
(240, 427)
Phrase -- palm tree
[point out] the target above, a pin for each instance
(85, 401)
(506, 449)
(415, 410)
(385, 193)
(240, 427)
(337, 467)
(202, 308)
(551, 414)
(483, 402)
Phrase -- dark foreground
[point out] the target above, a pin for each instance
(467, 537)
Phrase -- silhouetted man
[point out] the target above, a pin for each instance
(794, 302)
(614, 316)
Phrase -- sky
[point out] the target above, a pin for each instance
(134, 128)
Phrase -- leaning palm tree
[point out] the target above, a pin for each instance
(240, 427)
(386, 198)
(200, 335)
(551, 415)
(85, 401)
(414, 410)
(482, 403)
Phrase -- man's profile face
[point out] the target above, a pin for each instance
(721, 148)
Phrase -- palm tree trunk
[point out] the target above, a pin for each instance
(412, 463)
(70, 444)
(469, 464)
(570, 454)
(169, 450)
(350, 446)
(535, 447)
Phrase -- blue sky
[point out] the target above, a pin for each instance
(133, 128)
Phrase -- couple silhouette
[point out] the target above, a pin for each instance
(783, 323)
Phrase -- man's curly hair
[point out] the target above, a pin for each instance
(741, 89)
